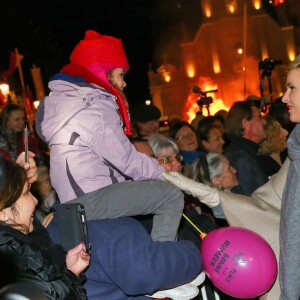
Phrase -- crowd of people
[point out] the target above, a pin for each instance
(235, 169)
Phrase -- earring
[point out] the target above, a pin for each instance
(5, 218)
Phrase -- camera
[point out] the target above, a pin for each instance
(268, 64)
(205, 101)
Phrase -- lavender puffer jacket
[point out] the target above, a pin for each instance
(88, 148)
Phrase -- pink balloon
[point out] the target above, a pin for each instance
(239, 262)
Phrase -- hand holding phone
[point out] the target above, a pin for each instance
(72, 226)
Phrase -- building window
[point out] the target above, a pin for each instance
(231, 6)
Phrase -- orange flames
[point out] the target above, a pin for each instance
(192, 107)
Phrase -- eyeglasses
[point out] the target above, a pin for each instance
(185, 136)
(171, 159)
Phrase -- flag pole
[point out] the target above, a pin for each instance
(20, 73)
(26, 100)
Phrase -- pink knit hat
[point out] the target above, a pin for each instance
(102, 50)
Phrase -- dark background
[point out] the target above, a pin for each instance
(46, 31)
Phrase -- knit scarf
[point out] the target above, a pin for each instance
(289, 263)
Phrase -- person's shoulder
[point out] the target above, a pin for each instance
(67, 78)
(10, 240)
(63, 82)
(234, 150)
(4, 151)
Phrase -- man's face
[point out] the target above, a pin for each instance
(254, 128)
(149, 128)
(215, 141)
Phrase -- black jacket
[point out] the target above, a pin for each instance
(242, 155)
(34, 258)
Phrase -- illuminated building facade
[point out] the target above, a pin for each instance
(233, 38)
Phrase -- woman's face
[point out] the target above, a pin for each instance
(16, 121)
(116, 77)
(23, 210)
(292, 95)
(186, 139)
(215, 141)
(228, 178)
(170, 160)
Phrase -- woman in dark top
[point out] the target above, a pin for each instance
(26, 250)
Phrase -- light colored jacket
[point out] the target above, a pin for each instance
(259, 213)
(88, 148)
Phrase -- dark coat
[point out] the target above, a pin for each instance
(34, 258)
(242, 155)
(127, 264)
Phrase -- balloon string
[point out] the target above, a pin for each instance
(202, 234)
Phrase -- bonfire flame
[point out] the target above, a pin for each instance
(191, 106)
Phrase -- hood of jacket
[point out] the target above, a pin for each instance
(68, 96)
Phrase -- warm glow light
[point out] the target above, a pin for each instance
(288, 32)
(231, 9)
(36, 104)
(264, 49)
(166, 71)
(4, 88)
(231, 6)
(216, 65)
(191, 71)
(167, 77)
(240, 51)
(192, 107)
(216, 62)
(207, 10)
(291, 55)
(291, 52)
(257, 4)
(264, 54)
(217, 68)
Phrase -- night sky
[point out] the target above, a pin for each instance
(46, 31)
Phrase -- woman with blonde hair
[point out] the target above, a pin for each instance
(289, 263)
(272, 150)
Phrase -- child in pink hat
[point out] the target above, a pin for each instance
(85, 121)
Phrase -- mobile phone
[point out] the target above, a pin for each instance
(72, 226)
(26, 143)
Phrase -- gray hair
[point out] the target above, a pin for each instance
(215, 167)
(160, 142)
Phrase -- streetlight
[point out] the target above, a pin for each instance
(36, 104)
(4, 88)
